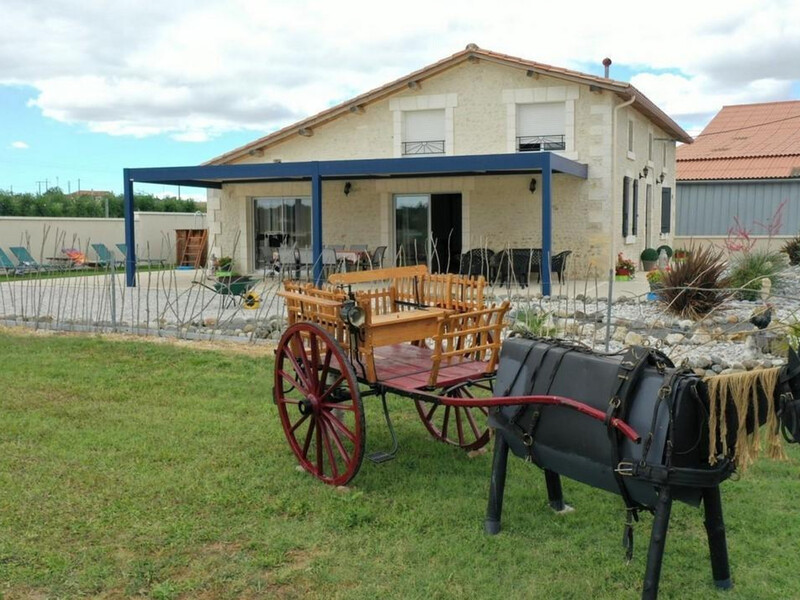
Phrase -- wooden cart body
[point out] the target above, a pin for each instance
(429, 337)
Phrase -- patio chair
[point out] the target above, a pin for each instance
(288, 260)
(375, 260)
(28, 262)
(476, 262)
(330, 262)
(105, 258)
(515, 264)
(558, 264)
(305, 261)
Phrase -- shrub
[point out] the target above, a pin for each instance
(649, 254)
(792, 250)
(531, 322)
(666, 249)
(697, 285)
(750, 268)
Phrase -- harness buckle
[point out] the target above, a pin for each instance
(625, 468)
(665, 391)
(615, 402)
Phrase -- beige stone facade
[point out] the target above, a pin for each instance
(479, 99)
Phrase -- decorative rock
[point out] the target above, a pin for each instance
(717, 368)
(674, 338)
(737, 366)
(638, 324)
(209, 321)
(685, 324)
(751, 364)
(730, 371)
(732, 319)
(700, 372)
(701, 337)
(633, 339)
(249, 328)
(619, 334)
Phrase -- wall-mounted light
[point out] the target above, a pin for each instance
(532, 185)
(347, 187)
(660, 178)
(644, 172)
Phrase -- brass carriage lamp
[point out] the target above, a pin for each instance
(352, 314)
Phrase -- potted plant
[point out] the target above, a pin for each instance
(681, 254)
(224, 267)
(656, 278)
(649, 258)
(624, 269)
(666, 249)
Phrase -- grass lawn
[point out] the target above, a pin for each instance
(138, 469)
(88, 272)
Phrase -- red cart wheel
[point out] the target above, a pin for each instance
(319, 403)
(465, 427)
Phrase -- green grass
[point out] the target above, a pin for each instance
(90, 272)
(133, 469)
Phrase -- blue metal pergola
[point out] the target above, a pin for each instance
(545, 163)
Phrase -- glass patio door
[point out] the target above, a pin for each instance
(412, 221)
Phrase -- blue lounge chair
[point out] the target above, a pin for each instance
(105, 257)
(27, 262)
(8, 265)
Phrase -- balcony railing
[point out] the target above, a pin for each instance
(425, 147)
(540, 143)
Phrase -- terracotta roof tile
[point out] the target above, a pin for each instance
(760, 167)
(748, 130)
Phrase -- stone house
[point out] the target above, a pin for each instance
(617, 148)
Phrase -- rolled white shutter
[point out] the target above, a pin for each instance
(424, 126)
(546, 118)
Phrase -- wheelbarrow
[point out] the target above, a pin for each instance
(234, 289)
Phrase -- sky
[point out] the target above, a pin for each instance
(90, 87)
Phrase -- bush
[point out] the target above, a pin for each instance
(750, 268)
(649, 254)
(792, 250)
(695, 286)
(666, 249)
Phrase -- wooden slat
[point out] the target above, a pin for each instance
(377, 274)
(407, 316)
(309, 299)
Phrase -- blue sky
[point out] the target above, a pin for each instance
(89, 87)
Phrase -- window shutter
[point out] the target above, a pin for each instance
(423, 125)
(635, 221)
(545, 118)
(625, 185)
(666, 209)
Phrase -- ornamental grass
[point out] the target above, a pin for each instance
(697, 285)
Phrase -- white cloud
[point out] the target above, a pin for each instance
(20, 145)
(193, 69)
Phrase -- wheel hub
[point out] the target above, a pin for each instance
(307, 406)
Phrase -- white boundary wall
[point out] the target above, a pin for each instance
(46, 236)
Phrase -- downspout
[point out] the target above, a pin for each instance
(612, 255)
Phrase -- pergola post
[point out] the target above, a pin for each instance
(547, 225)
(316, 225)
(130, 234)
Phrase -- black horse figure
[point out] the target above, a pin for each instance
(689, 434)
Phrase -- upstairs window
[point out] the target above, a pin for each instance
(423, 132)
(540, 127)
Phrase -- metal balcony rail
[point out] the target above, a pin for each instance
(423, 147)
(539, 143)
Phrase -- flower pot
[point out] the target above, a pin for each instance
(622, 277)
(649, 265)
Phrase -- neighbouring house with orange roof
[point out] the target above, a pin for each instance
(480, 149)
(744, 166)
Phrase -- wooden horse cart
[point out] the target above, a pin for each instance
(429, 337)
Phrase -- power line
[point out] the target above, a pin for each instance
(747, 126)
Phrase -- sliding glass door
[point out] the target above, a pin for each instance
(428, 230)
(411, 229)
(280, 221)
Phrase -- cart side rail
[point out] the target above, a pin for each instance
(313, 305)
(473, 335)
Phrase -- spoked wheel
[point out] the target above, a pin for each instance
(319, 403)
(465, 427)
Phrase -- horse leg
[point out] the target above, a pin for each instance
(554, 493)
(717, 544)
(497, 485)
(658, 539)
